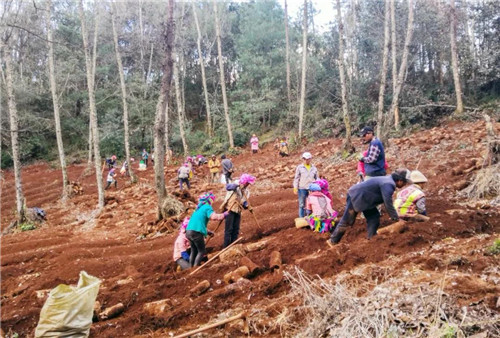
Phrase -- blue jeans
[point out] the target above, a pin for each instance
(302, 194)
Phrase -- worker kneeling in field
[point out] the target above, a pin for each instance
(181, 247)
(321, 216)
(410, 202)
(234, 202)
(364, 197)
(196, 230)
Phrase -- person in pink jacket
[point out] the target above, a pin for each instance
(321, 215)
(254, 144)
(360, 171)
(181, 245)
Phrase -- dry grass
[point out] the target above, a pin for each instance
(486, 184)
(394, 308)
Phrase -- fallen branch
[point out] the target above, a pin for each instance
(217, 255)
(242, 315)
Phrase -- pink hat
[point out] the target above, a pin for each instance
(246, 178)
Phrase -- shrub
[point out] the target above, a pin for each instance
(27, 226)
(495, 248)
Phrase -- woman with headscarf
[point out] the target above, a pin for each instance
(234, 202)
(181, 245)
(196, 230)
(321, 216)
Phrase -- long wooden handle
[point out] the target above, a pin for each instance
(211, 326)
(216, 255)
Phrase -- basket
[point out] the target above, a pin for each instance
(301, 222)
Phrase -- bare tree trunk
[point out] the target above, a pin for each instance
(141, 28)
(402, 68)
(345, 110)
(203, 76)
(159, 127)
(124, 96)
(222, 80)
(94, 62)
(93, 112)
(304, 71)
(55, 102)
(394, 60)
(180, 113)
(287, 56)
(383, 73)
(14, 130)
(454, 59)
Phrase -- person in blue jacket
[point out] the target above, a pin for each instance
(375, 160)
(196, 230)
(364, 197)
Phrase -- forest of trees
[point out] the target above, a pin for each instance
(238, 68)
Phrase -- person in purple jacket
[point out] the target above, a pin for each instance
(375, 159)
(364, 197)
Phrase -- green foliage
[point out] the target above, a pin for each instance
(495, 248)
(6, 160)
(27, 226)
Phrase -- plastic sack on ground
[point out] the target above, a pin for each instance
(223, 179)
(68, 310)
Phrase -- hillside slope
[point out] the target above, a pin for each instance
(133, 256)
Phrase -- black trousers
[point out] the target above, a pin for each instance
(372, 221)
(198, 250)
(232, 229)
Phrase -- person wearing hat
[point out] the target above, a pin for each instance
(234, 203)
(364, 197)
(196, 230)
(321, 215)
(111, 162)
(374, 161)
(213, 166)
(305, 174)
(410, 201)
(254, 144)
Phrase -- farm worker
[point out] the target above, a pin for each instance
(183, 175)
(181, 245)
(323, 184)
(360, 171)
(411, 200)
(124, 169)
(196, 231)
(227, 168)
(283, 148)
(213, 166)
(111, 162)
(305, 174)
(375, 160)
(254, 144)
(145, 156)
(321, 216)
(364, 197)
(234, 202)
(111, 178)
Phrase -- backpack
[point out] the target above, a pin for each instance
(324, 210)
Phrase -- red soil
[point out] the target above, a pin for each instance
(109, 246)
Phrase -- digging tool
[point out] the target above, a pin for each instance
(216, 255)
(242, 315)
(255, 218)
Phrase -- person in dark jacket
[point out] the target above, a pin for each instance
(375, 160)
(364, 197)
(227, 168)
